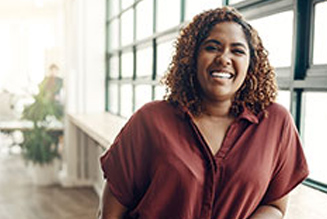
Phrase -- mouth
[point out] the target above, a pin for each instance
(221, 74)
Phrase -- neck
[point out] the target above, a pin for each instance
(217, 109)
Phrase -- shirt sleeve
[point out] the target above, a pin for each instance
(125, 163)
(291, 168)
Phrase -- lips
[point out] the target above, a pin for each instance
(221, 74)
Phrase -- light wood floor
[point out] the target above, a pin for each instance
(19, 199)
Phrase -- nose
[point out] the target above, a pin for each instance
(223, 59)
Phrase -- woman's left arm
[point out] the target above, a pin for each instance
(272, 210)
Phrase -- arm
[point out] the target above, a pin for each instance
(272, 210)
(110, 208)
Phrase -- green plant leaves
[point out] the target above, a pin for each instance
(40, 144)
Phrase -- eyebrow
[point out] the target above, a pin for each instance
(219, 43)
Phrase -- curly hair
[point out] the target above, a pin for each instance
(259, 88)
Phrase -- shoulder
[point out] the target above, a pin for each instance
(278, 111)
(159, 111)
(279, 119)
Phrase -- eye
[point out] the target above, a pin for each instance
(210, 48)
(239, 51)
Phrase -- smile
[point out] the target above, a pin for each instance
(223, 75)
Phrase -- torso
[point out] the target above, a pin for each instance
(213, 130)
(159, 154)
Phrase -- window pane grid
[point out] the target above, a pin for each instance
(131, 65)
(278, 45)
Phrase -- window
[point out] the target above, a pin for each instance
(195, 7)
(320, 34)
(278, 45)
(159, 92)
(114, 34)
(126, 100)
(143, 94)
(113, 98)
(168, 14)
(126, 3)
(235, 1)
(140, 46)
(113, 8)
(114, 67)
(127, 65)
(314, 133)
(164, 53)
(144, 63)
(144, 19)
(127, 27)
(284, 98)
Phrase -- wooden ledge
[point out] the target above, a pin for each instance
(101, 127)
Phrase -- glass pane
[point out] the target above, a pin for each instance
(127, 28)
(127, 65)
(159, 92)
(114, 67)
(126, 3)
(143, 95)
(168, 14)
(113, 7)
(320, 34)
(144, 19)
(284, 98)
(113, 98)
(114, 34)
(126, 100)
(144, 63)
(195, 7)
(164, 56)
(278, 45)
(314, 134)
(235, 1)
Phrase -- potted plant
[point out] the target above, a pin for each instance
(40, 145)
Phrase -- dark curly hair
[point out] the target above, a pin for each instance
(259, 88)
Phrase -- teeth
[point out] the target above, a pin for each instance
(225, 75)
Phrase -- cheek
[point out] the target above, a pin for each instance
(243, 66)
(200, 68)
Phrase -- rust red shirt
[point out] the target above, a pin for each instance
(159, 166)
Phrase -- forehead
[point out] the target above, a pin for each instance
(229, 32)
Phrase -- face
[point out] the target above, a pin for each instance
(223, 62)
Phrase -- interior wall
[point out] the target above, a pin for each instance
(85, 67)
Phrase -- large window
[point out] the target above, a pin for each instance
(140, 45)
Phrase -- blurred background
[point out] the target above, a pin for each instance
(73, 71)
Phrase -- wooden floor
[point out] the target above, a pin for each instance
(20, 199)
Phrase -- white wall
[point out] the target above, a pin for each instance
(85, 78)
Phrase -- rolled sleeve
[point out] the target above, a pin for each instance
(125, 163)
(291, 167)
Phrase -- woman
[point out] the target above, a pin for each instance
(218, 146)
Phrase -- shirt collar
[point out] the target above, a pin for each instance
(246, 114)
(249, 116)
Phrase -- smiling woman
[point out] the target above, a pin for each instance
(203, 151)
